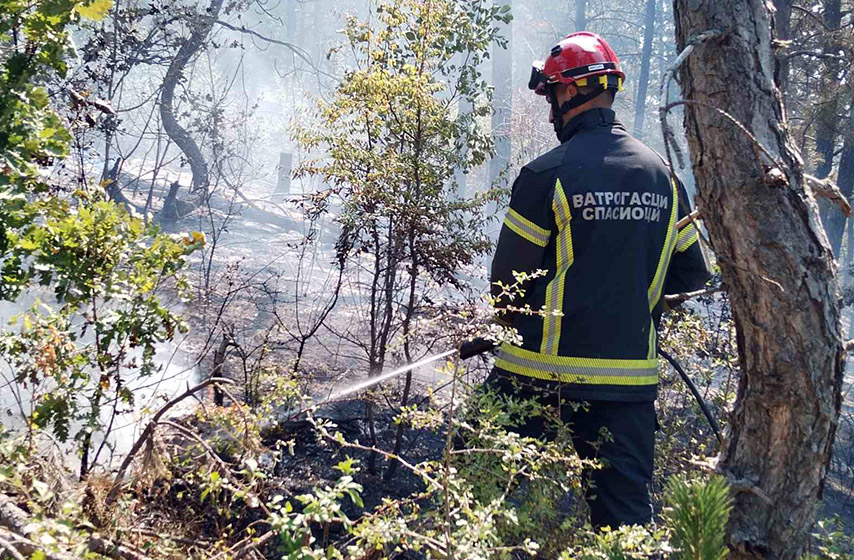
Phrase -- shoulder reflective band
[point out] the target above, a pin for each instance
(588, 371)
(666, 252)
(527, 229)
(564, 259)
(687, 237)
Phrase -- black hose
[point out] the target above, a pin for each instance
(681, 371)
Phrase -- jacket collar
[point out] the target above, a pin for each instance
(587, 119)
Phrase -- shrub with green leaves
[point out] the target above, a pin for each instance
(98, 269)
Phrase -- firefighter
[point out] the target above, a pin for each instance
(599, 214)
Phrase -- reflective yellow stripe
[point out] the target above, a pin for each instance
(653, 341)
(687, 237)
(527, 229)
(664, 260)
(591, 371)
(565, 257)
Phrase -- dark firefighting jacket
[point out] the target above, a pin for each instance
(598, 214)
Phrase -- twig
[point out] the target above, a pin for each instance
(11, 549)
(385, 454)
(667, 131)
(149, 430)
(198, 541)
(667, 108)
(826, 188)
(29, 548)
(215, 457)
(296, 49)
(243, 547)
(112, 549)
(11, 516)
(679, 298)
(690, 218)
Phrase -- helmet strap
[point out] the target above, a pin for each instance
(574, 103)
(611, 83)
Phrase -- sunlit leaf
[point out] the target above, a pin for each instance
(95, 10)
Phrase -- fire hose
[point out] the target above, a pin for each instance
(476, 347)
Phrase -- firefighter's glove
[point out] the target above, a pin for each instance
(475, 347)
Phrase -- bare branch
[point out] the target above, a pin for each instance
(690, 218)
(296, 49)
(149, 430)
(826, 188)
(7, 546)
(679, 298)
(667, 131)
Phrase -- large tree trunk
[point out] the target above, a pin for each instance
(201, 28)
(643, 79)
(779, 270)
(502, 79)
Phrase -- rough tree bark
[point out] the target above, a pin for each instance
(780, 273)
(201, 28)
(643, 78)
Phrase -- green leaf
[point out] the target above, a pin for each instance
(95, 10)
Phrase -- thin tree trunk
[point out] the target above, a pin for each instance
(835, 222)
(783, 26)
(580, 15)
(780, 274)
(827, 127)
(643, 78)
(464, 107)
(849, 261)
(502, 79)
(201, 28)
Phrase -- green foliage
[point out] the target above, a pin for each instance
(394, 137)
(105, 268)
(98, 268)
(31, 134)
(831, 541)
(624, 543)
(698, 513)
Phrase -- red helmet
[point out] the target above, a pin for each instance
(574, 60)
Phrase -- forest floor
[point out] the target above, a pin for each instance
(268, 254)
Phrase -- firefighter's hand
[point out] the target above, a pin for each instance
(475, 347)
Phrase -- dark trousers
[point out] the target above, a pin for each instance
(619, 492)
